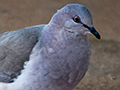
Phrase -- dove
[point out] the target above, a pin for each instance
(57, 53)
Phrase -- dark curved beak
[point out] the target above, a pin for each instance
(93, 31)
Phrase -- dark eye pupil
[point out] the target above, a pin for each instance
(76, 19)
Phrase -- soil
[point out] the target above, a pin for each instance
(104, 69)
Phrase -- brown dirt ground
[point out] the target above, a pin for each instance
(104, 69)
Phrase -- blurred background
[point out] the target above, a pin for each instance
(104, 69)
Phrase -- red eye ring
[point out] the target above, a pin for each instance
(76, 19)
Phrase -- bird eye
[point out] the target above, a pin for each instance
(76, 19)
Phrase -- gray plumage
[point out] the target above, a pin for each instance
(60, 54)
(15, 48)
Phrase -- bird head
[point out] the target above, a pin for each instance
(75, 19)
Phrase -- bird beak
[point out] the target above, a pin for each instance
(93, 31)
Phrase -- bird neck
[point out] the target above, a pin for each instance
(62, 51)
